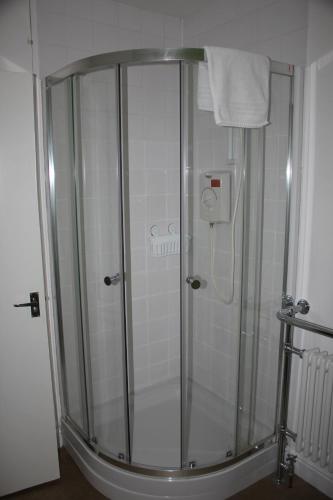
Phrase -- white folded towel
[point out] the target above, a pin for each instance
(235, 85)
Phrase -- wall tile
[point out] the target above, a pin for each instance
(105, 11)
(159, 372)
(53, 57)
(129, 17)
(52, 29)
(79, 8)
(152, 23)
(95, 26)
(80, 33)
(105, 39)
(275, 28)
(158, 352)
(172, 28)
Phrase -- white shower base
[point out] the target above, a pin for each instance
(156, 438)
(117, 484)
(156, 427)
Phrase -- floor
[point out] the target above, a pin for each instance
(73, 486)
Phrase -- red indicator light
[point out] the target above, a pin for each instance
(215, 183)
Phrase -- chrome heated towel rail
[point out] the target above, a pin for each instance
(286, 463)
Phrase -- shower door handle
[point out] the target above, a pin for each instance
(194, 282)
(112, 280)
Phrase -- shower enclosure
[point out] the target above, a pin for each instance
(161, 375)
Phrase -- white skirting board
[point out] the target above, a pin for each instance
(314, 475)
(310, 473)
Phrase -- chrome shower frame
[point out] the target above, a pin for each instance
(120, 61)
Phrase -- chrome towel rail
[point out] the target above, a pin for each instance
(287, 316)
(305, 325)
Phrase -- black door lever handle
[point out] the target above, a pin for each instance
(33, 304)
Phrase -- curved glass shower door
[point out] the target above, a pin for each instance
(62, 187)
(153, 219)
(101, 246)
(214, 167)
(230, 333)
(86, 173)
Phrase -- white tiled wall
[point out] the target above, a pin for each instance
(276, 157)
(154, 181)
(154, 200)
(276, 28)
(216, 327)
(100, 205)
(15, 34)
(215, 324)
(73, 29)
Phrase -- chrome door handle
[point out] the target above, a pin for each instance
(194, 282)
(33, 304)
(112, 280)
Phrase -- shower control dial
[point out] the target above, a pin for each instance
(208, 198)
(112, 280)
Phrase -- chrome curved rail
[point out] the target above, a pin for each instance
(142, 56)
(133, 57)
(305, 325)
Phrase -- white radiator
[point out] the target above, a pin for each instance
(315, 413)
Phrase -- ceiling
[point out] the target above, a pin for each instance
(179, 8)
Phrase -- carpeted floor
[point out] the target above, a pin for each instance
(74, 486)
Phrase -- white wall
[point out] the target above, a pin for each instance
(154, 187)
(15, 34)
(319, 236)
(67, 31)
(282, 29)
(73, 29)
(316, 237)
(277, 28)
(320, 32)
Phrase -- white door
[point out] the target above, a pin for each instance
(28, 446)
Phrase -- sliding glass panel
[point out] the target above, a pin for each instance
(251, 284)
(214, 204)
(66, 246)
(263, 272)
(154, 194)
(101, 250)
